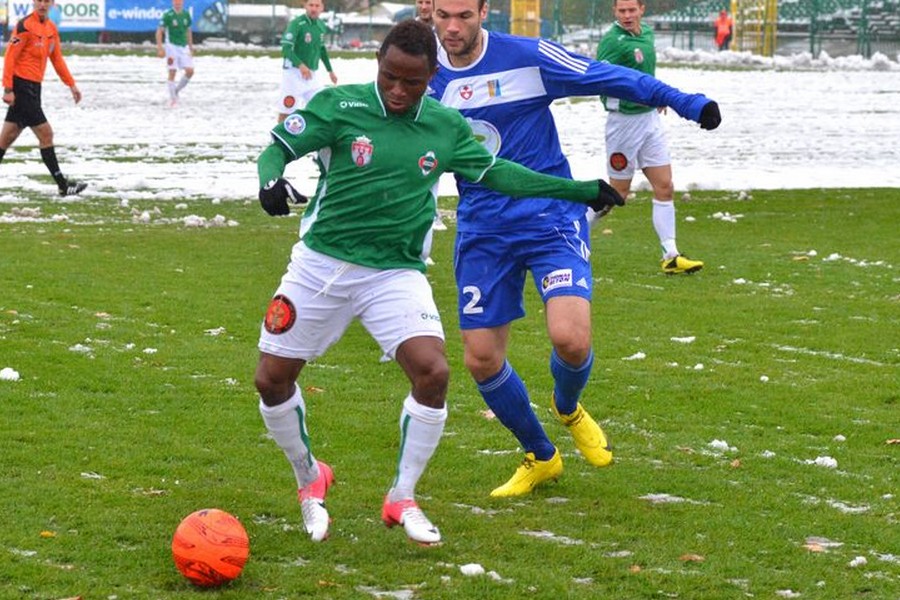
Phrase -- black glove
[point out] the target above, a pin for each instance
(710, 116)
(274, 197)
(607, 197)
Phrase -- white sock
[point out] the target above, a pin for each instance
(664, 224)
(183, 82)
(287, 426)
(172, 91)
(420, 431)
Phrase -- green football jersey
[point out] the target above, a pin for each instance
(375, 202)
(302, 42)
(177, 25)
(621, 47)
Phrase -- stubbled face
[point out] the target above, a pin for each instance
(314, 8)
(629, 14)
(424, 10)
(458, 26)
(402, 79)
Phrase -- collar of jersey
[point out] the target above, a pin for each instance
(411, 114)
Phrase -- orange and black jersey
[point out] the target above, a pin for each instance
(32, 43)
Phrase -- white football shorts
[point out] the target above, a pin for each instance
(634, 142)
(178, 57)
(296, 92)
(319, 297)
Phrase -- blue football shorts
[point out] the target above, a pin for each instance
(491, 268)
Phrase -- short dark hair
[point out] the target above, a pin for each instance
(414, 38)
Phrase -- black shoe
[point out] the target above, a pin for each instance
(72, 188)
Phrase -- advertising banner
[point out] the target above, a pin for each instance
(125, 15)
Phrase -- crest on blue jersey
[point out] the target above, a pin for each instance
(486, 134)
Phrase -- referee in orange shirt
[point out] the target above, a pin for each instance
(34, 40)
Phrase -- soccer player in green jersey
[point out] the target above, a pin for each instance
(302, 47)
(634, 135)
(364, 240)
(175, 42)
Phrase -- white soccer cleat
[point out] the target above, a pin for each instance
(312, 504)
(417, 526)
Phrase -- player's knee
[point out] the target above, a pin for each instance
(482, 366)
(434, 378)
(573, 348)
(273, 386)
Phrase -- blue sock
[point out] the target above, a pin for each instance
(569, 381)
(506, 395)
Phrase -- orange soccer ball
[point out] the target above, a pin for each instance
(210, 547)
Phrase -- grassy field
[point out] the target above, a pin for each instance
(727, 395)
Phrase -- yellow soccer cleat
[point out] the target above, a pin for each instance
(531, 473)
(589, 438)
(680, 264)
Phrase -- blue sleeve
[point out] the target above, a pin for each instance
(566, 74)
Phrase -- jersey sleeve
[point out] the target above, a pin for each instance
(470, 160)
(307, 130)
(566, 74)
(517, 181)
(59, 63)
(13, 50)
(289, 40)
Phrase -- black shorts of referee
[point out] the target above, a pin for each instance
(26, 111)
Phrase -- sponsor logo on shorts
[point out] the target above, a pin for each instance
(361, 150)
(294, 124)
(430, 317)
(280, 315)
(428, 163)
(556, 279)
(618, 161)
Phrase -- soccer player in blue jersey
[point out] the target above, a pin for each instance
(504, 85)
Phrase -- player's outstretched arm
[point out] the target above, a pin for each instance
(517, 181)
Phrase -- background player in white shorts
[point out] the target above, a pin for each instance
(302, 47)
(175, 42)
(634, 134)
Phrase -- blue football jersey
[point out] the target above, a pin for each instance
(506, 95)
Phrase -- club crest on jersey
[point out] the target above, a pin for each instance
(294, 124)
(556, 279)
(638, 56)
(486, 134)
(361, 150)
(280, 315)
(466, 91)
(307, 38)
(428, 163)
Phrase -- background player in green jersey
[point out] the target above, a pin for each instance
(365, 237)
(635, 138)
(302, 47)
(175, 42)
